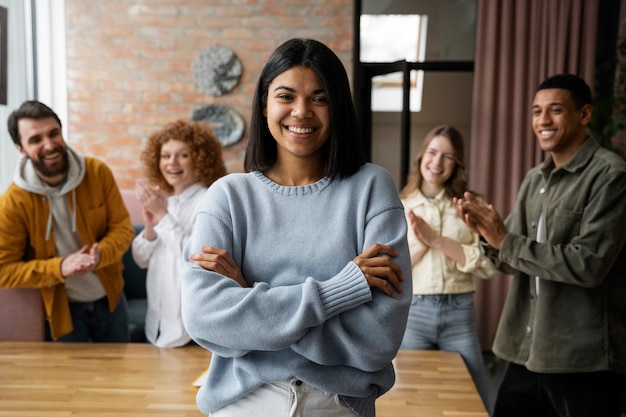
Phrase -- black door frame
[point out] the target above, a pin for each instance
(364, 72)
(606, 41)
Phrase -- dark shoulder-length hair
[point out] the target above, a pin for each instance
(343, 153)
(454, 186)
(204, 148)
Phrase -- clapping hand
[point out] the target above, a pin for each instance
(81, 262)
(481, 218)
(422, 230)
(153, 202)
(153, 207)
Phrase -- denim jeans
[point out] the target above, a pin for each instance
(525, 393)
(448, 322)
(93, 322)
(286, 399)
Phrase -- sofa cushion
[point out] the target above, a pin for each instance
(22, 314)
(134, 276)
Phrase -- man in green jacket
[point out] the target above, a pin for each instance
(64, 229)
(563, 327)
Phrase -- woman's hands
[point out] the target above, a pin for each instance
(429, 238)
(153, 207)
(218, 260)
(422, 230)
(381, 271)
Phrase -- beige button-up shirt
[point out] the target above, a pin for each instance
(435, 273)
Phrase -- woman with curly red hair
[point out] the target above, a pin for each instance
(181, 161)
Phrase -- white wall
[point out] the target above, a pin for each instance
(50, 74)
(19, 88)
(51, 58)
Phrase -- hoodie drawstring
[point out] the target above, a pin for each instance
(74, 210)
(49, 225)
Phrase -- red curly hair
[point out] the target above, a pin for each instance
(205, 151)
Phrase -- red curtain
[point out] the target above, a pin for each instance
(519, 43)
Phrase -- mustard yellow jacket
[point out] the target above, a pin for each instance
(27, 249)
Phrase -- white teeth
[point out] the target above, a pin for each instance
(300, 129)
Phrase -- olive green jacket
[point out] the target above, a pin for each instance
(566, 309)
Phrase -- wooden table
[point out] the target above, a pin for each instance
(431, 383)
(44, 379)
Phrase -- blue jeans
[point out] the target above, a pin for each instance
(93, 322)
(448, 322)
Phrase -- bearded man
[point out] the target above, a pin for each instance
(64, 229)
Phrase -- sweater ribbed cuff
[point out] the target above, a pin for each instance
(345, 291)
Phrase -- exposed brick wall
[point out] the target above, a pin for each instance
(130, 64)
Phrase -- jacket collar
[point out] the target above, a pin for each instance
(578, 161)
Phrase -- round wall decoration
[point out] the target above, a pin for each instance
(216, 70)
(226, 123)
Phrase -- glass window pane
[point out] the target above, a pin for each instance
(387, 91)
(446, 99)
(390, 38)
(448, 35)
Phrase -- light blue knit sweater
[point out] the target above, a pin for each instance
(309, 313)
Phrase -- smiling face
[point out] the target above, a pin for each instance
(438, 163)
(298, 115)
(176, 165)
(559, 126)
(42, 142)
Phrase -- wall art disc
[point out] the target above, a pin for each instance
(226, 123)
(216, 70)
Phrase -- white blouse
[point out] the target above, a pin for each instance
(163, 259)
